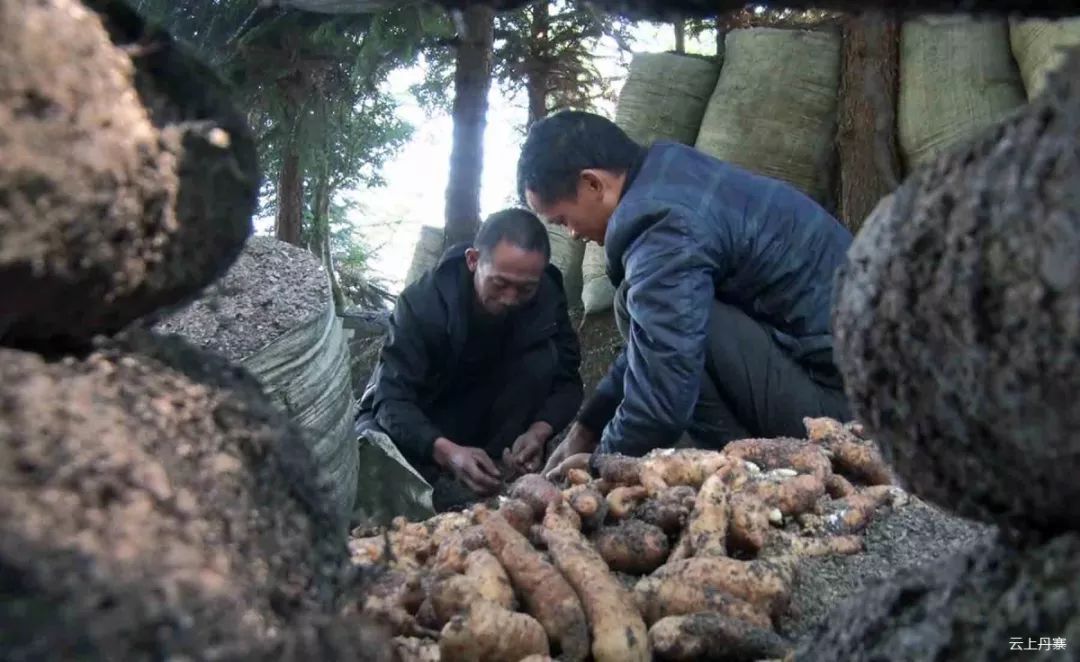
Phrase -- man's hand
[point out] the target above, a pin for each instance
(470, 466)
(527, 453)
(576, 461)
(579, 440)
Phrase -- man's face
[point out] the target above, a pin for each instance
(585, 214)
(507, 279)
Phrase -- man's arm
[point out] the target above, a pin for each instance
(566, 392)
(403, 368)
(669, 298)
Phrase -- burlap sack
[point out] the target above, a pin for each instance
(957, 77)
(1039, 47)
(774, 107)
(426, 254)
(664, 97)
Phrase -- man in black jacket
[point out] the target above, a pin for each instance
(481, 362)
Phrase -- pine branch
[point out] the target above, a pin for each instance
(599, 21)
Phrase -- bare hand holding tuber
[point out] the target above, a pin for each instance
(470, 466)
(579, 440)
(527, 453)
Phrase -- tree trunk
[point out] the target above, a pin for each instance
(472, 80)
(866, 136)
(290, 198)
(319, 237)
(721, 36)
(536, 84)
(680, 36)
(537, 69)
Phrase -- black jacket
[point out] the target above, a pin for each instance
(421, 359)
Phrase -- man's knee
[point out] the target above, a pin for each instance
(767, 391)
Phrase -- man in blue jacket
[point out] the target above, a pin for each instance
(725, 288)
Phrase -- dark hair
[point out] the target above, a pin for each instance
(519, 227)
(559, 147)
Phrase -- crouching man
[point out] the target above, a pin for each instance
(481, 363)
(726, 284)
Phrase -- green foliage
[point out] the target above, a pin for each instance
(434, 92)
(312, 85)
(550, 44)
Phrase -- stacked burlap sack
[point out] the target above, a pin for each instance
(664, 98)
(426, 253)
(961, 74)
(153, 503)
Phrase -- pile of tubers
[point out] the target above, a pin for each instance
(678, 555)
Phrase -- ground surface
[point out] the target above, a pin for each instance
(600, 344)
(912, 535)
(971, 605)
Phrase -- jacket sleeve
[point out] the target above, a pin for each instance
(669, 296)
(566, 390)
(600, 407)
(403, 368)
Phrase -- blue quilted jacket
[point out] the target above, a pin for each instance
(690, 229)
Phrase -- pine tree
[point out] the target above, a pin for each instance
(311, 86)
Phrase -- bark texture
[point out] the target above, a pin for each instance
(289, 222)
(472, 80)
(538, 68)
(870, 166)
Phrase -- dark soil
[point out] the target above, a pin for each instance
(272, 288)
(911, 535)
(127, 180)
(957, 322)
(366, 331)
(965, 606)
(364, 352)
(600, 344)
(152, 504)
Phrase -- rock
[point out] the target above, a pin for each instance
(366, 323)
(957, 322)
(966, 607)
(127, 182)
(153, 504)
